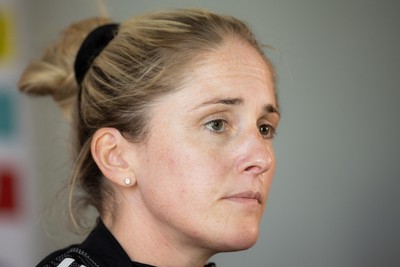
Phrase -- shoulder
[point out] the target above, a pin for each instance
(72, 256)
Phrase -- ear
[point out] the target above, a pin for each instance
(111, 152)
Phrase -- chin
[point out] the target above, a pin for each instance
(240, 240)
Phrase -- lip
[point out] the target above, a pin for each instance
(247, 196)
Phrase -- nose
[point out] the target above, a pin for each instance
(256, 154)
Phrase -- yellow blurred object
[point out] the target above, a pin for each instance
(6, 36)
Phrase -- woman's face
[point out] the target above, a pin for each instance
(207, 165)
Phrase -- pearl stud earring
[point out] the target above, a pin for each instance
(127, 181)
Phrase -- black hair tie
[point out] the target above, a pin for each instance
(91, 47)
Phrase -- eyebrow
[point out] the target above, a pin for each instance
(269, 108)
(224, 101)
(272, 109)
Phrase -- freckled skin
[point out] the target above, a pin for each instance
(188, 172)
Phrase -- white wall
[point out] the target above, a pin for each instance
(335, 199)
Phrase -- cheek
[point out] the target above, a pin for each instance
(183, 169)
(191, 174)
(166, 172)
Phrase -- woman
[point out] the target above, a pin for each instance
(174, 117)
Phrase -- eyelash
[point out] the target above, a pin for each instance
(209, 125)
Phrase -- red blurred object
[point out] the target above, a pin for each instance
(8, 202)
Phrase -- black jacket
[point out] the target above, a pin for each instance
(100, 249)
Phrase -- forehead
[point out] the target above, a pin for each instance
(235, 67)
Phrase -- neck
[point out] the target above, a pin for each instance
(145, 240)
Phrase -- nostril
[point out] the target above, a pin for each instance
(252, 168)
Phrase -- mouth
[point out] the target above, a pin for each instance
(246, 197)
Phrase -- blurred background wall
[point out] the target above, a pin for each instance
(335, 200)
(17, 184)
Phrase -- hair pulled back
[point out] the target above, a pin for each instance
(147, 59)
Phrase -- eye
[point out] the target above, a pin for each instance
(216, 126)
(267, 130)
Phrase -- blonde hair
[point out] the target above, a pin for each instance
(146, 59)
